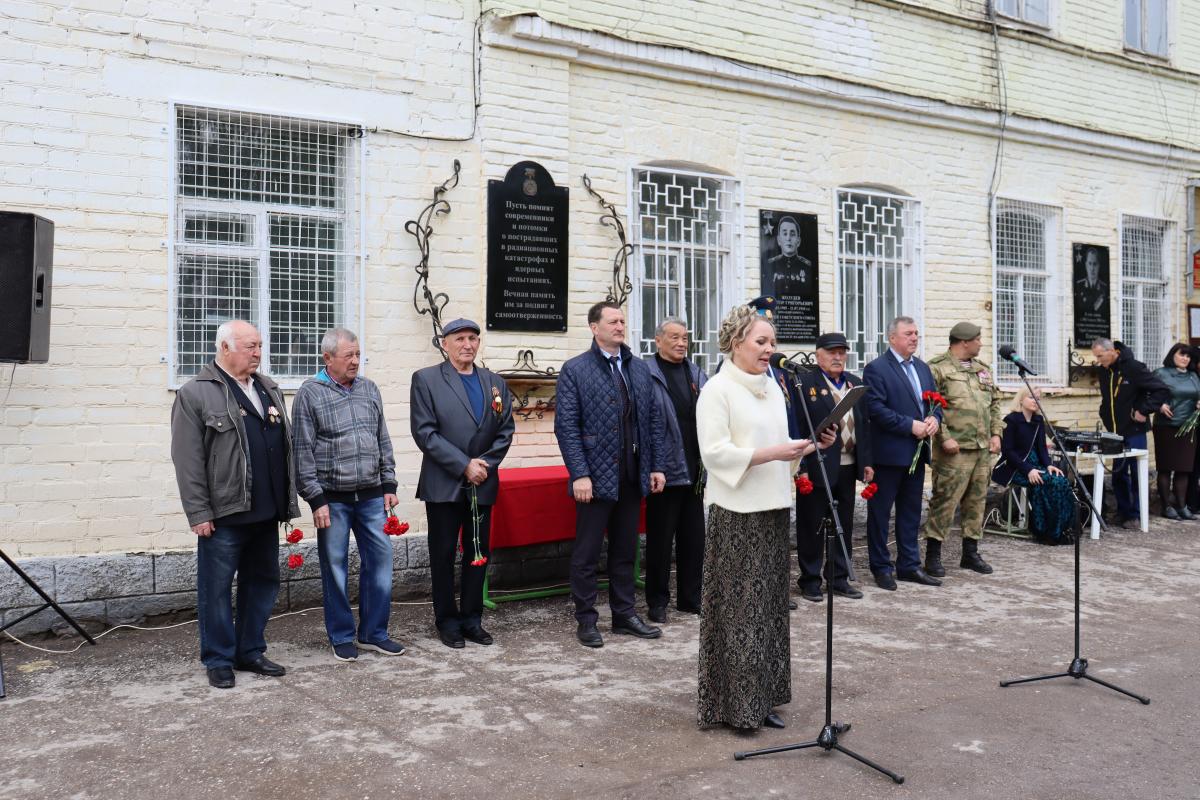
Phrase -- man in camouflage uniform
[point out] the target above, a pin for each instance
(962, 448)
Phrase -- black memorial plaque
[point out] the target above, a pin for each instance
(527, 251)
(787, 244)
(1090, 289)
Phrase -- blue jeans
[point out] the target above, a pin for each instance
(1125, 479)
(366, 519)
(252, 553)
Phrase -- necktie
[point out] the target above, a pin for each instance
(615, 363)
(911, 371)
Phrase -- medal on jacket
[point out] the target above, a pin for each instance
(243, 411)
(497, 403)
(273, 414)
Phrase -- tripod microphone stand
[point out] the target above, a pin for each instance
(831, 526)
(1079, 665)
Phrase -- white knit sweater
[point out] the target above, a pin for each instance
(737, 413)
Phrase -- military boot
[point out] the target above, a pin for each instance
(971, 558)
(933, 558)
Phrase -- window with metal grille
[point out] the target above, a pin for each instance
(878, 257)
(1026, 261)
(1035, 12)
(1146, 26)
(266, 231)
(1145, 308)
(685, 225)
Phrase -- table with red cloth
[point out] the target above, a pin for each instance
(534, 506)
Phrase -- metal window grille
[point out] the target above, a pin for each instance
(1145, 309)
(878, 258)
(265, 231)
(1146, 26)
(1035, 12)
(1026, 263)
(684, 228)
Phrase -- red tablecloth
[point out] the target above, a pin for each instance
(534, 507)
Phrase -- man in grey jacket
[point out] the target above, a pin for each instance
(676, 514)
(231, 445)
(462, 421)
(345, 470)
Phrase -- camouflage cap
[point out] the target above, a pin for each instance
(964, 332)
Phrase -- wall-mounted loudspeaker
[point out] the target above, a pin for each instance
(26, 255)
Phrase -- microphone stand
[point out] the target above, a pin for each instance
(828, 737)
(1079, 665)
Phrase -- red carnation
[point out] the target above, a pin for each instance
(935, 399)
(804, 485)
(294, 536)
(869, 490)
(394, 527)
(479, 562)
(295, 561)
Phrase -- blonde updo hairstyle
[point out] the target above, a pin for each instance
(736, 327)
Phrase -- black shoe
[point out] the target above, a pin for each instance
(658, 614)
(1170, 513)
(633, 625)
(452, 639)
(933, 558)
(588, 635)
(1132, 524)
(773, 720)
(971, 558)
(1186, 513)
(220, 677)
(478, 635)
(792, 605)
(688, 610)
(844, 589)
(262, 666)
(812, 593)
(919, 575)
(885, 580)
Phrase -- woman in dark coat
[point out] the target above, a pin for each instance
(1175, 451)
(1025, 461)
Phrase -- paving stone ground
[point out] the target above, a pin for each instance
(538, 716)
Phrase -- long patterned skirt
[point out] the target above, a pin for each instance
(745, 655)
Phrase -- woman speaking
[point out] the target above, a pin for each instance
(745, 668)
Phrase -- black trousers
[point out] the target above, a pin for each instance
(620, 518)
(445, 522)
(674, 515)
(811, 509)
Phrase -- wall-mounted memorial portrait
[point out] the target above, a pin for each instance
(1090, 288)
(787, 244)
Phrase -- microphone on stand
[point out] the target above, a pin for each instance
(1009, 353)
(780, 361)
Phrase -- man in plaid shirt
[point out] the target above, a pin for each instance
(345, 470)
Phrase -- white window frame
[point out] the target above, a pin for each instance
(1054, 218)
(1151, 353)
(913, 288)
(732, 277)
(1142, 45)
(355, 227)
(1021, 14)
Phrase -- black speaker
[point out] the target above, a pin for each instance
(26, 255)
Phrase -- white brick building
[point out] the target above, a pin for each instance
(261, 159)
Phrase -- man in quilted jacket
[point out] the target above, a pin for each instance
(610, 432)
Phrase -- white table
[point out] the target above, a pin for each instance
(1098, 464)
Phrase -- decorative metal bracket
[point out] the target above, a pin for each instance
(527, 376)
(421, 228)
(1077, 370)
(621, 287)
(805, 358)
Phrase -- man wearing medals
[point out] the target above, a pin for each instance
(962, 448)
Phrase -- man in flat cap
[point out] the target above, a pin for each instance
(962, 448)
(847, 461)
(462, 421)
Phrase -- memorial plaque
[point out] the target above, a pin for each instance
(1090, 284)
(527, 251)
(787, 244)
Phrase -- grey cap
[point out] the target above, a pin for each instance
(461, 324)
(964, 331)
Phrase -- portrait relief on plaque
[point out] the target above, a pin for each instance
(789, 272)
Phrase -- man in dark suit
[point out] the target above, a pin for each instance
(462, 421)
(610, 431)
(900, 420)
(847, 461)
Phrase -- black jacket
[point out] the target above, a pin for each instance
(1020, 441)
(1128, 386)
(819, 401)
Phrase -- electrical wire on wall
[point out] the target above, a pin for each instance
(1002, 108)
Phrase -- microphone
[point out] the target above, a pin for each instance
(780, 361)
(1008, 353)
